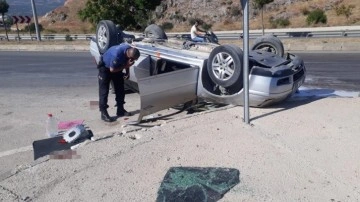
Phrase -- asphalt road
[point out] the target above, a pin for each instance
(37, 82)
(46, 69)
(340, 71)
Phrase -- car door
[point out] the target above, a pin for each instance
(166, 90)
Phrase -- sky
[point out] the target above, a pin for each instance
(23, 7)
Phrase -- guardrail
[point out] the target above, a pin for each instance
(320, 32)
(296, 34)
(47, 37)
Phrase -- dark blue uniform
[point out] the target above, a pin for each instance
(114, 57)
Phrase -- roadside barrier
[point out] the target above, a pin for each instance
(318, 32)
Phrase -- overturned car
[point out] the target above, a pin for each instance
(170, 72)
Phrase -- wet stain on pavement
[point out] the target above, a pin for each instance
(8, 113)
(6, 128)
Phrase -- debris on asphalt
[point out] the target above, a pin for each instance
(135, 136)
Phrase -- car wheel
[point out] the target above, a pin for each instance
(269, 43)
(106, 35)
(225, 65)
(153, 31)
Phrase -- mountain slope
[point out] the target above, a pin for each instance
(221, 14)
(65, 18)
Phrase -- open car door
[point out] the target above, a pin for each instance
(161, 90)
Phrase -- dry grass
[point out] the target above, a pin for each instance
(72, 23)
(355, 40)
(299, 20)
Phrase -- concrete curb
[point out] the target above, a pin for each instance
(339, 46)
(30, 47)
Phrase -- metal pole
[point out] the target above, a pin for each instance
(245, 6)
(28, 24)
(17, 29)
(35, 20)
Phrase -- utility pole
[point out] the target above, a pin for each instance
(35, 20)
(245, 6)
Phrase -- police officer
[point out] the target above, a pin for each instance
(114, 61)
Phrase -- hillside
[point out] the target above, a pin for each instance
(221, 14)
(65, 19)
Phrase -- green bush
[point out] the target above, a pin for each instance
(64, 30)
(206, 26)
(235, 11)
(178, 17)
(281, 22)
(343, 10)
(305, 11)
(316, 16)
(50, 31)
(167, 26)
(191, 21)
(31, 27)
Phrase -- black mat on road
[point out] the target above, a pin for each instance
(50, 145)
(187, 184)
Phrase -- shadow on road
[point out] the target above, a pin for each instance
(306, 96)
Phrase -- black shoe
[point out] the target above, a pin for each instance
(122, 112)
(105, 117)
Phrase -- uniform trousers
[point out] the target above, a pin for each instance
(105, 77)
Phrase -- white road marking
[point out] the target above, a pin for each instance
(15, 151)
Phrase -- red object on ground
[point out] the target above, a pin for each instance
(62, 141)
(63, 125)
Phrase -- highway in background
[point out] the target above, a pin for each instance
(340, 71)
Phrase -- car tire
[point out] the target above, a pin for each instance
(269, 43)
(154, 31)
(224, 65)
(106, 35)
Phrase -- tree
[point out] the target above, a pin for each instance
(129, 14)
(259, 4)
(4, 8)
(32, 27)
